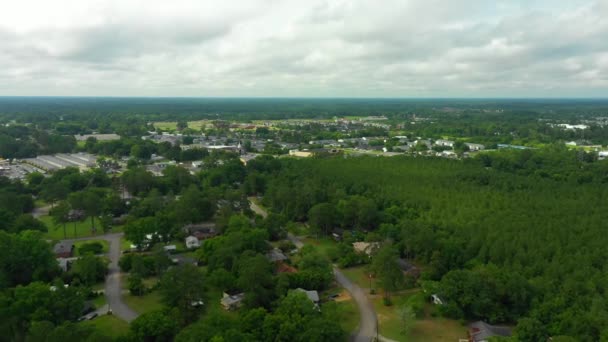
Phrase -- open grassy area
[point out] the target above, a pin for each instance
(172, 125)
(348, 315)
(99, 301)
(322, 244)
(359, 276)
(426, 328)
(146, 303)
(76, 229)
(109, 325)
(78, 244)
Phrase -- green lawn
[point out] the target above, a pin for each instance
(125, 244)
(73, 229)
(322, 244)
(359, 276)
(348, 315)
(172, 125)
(99, 301)
(146, 303)
(109, 325)
(78, 244)
(426, 328)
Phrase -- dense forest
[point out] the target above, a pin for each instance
(511, 238)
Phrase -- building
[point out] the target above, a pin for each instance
(475, 147)
(232, 301)
(482, 332)
(63, 249)
(192, 242)
(445, 143)
(313, 296)
(368, 248)
(301, 154)
(201, 231)
(276, 255)
(601, 155)
(98, 137)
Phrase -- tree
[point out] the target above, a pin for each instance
(89, 269)
(25, 257)
(386, 268)
(322, 217)
(255, 279)
(181, 125)
(154, 326)
(181, 286)
(60, 215)
(28, 222)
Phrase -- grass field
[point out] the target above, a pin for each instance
(76, 229)
(427, 328)
(359, 276)
(78, 244)
(109, 325)
(347, 313)
(172, 125)
(146, 303)
(322, 244)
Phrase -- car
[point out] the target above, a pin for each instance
(91, 316)
(333, 296)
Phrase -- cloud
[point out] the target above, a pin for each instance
(305, 48)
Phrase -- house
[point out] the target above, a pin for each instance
(408, 268)
(445, 143)
(482, 332)
(298, 153)
(366, 247)
(201, 231)
(313, 296)
(475, 147)
(63, 249)
(170, 248)
(192, 242)
(232, 301)
(76, 215)
(601, 155)
(276, 255)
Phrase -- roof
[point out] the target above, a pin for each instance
(284, 268)
(275, 255)
(208, 227)
(229, 300)
(63, 247)
(312, 295)
(481, 331)
(365, 247)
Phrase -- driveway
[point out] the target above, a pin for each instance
(113, 290)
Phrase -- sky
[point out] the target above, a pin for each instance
(311, 48)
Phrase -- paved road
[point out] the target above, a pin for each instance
(113, 290)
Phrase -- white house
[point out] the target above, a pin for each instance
(192, 242)
(475, 147)
(446, 143)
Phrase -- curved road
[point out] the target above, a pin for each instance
(113, 290)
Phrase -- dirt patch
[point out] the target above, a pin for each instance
(344, 296)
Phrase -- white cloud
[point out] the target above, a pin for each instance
(304, 48)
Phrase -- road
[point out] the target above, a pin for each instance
(113, 290)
